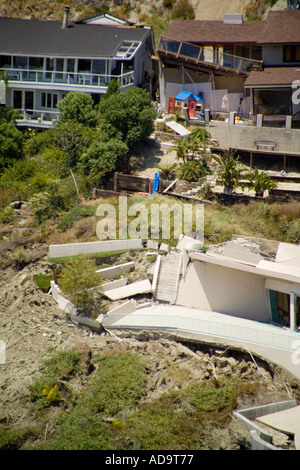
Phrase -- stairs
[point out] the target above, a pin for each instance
(168, 277)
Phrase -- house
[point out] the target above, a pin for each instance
(249, 278)
(44, 60)
(246, 67)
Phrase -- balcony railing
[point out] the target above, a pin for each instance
(67, 78)
(207, 56)
(37, 118)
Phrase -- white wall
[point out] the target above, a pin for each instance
(224, 290)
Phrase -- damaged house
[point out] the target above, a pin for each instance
(253, 279)
(247, 67)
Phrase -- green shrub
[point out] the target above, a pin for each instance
(43, 281)
(193, 170)
(183, 10)
(47, 389)
(11, 439)
(76, 280)
(118, 385)
(6, 215)
(62, 365)
(75, 214)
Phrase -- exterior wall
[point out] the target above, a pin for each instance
(232, 84)
(219, 289)
(243, 137)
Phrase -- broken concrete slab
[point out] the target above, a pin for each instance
(126, 307)
(85, 321)
(188, 243)
(113, 285)
(164, 247)
(112, 271)
(73, 249)
(152, 244)
(139, 287)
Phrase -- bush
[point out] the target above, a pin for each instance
(183, 10)
(78, 106)
(75, 214)
(11, 144)
(46, 389)
(131, 113)
(193, 170)
(6, 215)
(76, 280)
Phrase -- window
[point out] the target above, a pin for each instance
(20, 62)
(71, 65)
(84, 66)
(48, 100)
(291, 53)
(36, 63)
(99, 66)
(5, 61)
(276, 101)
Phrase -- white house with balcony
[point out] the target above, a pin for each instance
(44, 60)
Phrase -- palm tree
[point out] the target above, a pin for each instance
(231, 171)
(260, 181)
(167, 169)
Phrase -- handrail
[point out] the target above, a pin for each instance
(200, 51)
(69, 78)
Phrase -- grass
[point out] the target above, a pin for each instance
(118, 385)
(42, 281)
(66, 259)
(109, 411)
(262, 220)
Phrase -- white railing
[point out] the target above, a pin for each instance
(67, 78)
(37, 117)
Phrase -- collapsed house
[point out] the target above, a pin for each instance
(250, 278)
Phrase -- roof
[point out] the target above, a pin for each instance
(44, 38)
(104, 18)
(273, 76)
(280, 27)
(184, 95)
(248, 257)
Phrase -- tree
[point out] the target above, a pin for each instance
(193, 143)
(76, 280)
(231, 171)
(167, 169)
(131, 113)
(8, 114)
(71, 137)
(11, 144)
(78, 106)
(260, 181)
(102, 158)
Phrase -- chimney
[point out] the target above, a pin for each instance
(66, 17)
(236, 18)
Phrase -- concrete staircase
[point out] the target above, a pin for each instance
(168, 277)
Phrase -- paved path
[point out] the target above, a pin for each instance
(275, 344)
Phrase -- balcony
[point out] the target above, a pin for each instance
(207, 56)
(37, 119)
(64, 80)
